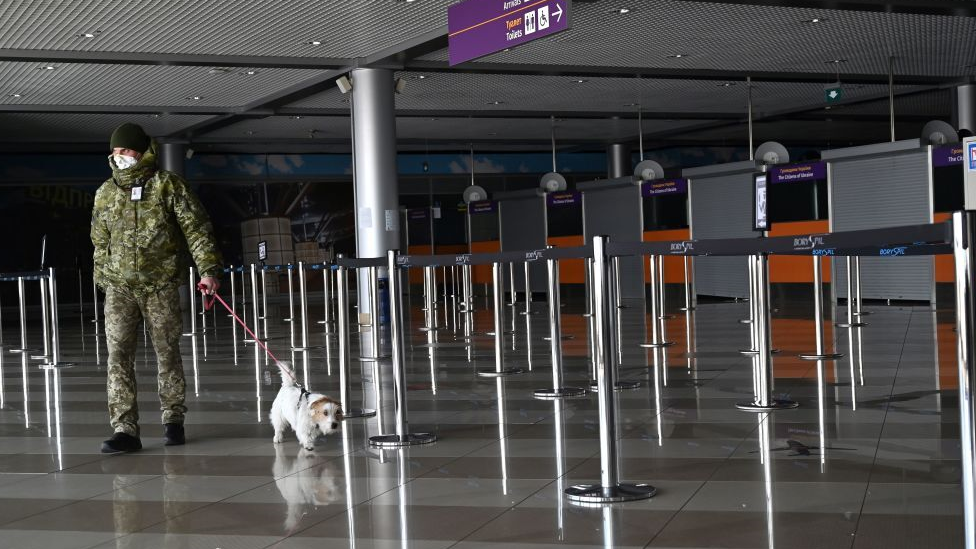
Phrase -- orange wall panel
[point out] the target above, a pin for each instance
(482, 273)
(571, 271)
(784, 269)
(945, 269)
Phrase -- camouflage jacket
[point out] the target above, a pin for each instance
(142, 244)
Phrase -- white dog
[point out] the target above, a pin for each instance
(308, 414)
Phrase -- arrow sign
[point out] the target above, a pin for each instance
(833, 92)
(476, 28)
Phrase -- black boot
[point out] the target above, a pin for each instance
(174, 434)
(121, 442)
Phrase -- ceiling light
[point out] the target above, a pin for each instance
(296, 117)
(194, 98)
(580, 81)
(46, 68)
(219, 70)
(154, 115)
(621, 11)
(421, 76)
(495, 102)
(726, 85)
(16, 95)
(678, 56)
(632, 104)
(89, 35)
(314, 43)
(434, 119)
(814, 21)
(835, 61)
(249, 73)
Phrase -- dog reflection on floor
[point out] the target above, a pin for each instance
(304, 484)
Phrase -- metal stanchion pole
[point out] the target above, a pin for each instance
(610, 489)
(753, 313)
(402, 437)
(618, 299)
(291, 305)
(343, 328)
(964, 253)
(689, 306)
(511, 284)
(555, 340)
(528, 288)
(23, 319)
(95, 304)
(303, 307)
(428, 301)
(658, 338)
(662, 290)
(764, 401)
(233, 310)
(821, 353)
(858, 312)
(264, 300)
(52, 287)
(193, 304)
(254, 308)
(588, 285)
(499, 303)
(851, 298)
(45, 320)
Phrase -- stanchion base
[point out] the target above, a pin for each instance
(656, 345)
(40, 357)
(825, 356)
(623, 306)
(686, 309)
(587, 315)
(862, 313)
(563, 337)
(309, 348)
(500, 373)
(20, 351)
(191, 334)
(560, 392)
(372, 358)
(396, 441)
(506, 332)
(618, 386)
(58, 366)
(594, 493)
(353, 413)
(665, 317)
(775, 405)
(322, 321)
(745, 321)
(755, 352)
(286, 320)
(427, 329)
(850, 324)
(528, 313)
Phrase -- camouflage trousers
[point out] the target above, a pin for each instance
(161, 311)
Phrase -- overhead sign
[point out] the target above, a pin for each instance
(950, 155)
(476, 28)
(833, 95)
(417, 214)
(760, 209)
(659, 187)
(808, 171)
(564, 198)
(481, 207)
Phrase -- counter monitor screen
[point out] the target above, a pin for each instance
(760, 204)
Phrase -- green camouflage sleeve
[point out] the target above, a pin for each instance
(197, 229)
(100, 238)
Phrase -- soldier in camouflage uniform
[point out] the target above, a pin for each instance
(143, 220)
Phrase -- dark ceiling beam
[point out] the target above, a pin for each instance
(657, 73)
(963, 8)
(133, 109)
(172, 59)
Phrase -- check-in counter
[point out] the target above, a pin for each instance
(612, 207)
(522, 226)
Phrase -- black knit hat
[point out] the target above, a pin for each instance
(129, 136)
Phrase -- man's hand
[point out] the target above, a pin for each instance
(211, 285)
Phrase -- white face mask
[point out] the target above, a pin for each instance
(124, 162)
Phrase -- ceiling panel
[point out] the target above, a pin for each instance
(935, 104)
(345, 28)
(751, 38)
(542, 94)
(829, 133)
(93, 128)
(130, 85)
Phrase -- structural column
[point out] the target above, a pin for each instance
(618, 161)
(172, 157)
(965, 107)
(375, 171)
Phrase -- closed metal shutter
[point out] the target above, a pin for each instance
(523, 227)
(721, 207)
(877, 192)
(617, 212)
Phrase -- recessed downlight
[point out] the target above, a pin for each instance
(219, 70)
(495, 102)
(296, 117)
(16, 95)
(815, 20)
(194, 98)
(249, 73)
(46, 67)
(677, 56)
(835, 61)
(726, 84)
(580, 81)
(88, 35)
(621, 11)
(314, 42)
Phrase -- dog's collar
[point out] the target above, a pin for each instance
(304, 394)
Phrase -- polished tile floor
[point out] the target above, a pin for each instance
(869, 460)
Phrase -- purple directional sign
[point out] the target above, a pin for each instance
(478, 27)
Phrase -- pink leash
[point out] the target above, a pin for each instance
(209, 305)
